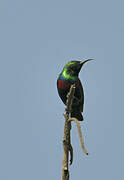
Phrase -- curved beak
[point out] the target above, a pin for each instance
(83, 62)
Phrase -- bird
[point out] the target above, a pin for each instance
(66, 78)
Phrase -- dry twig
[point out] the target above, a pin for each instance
(80, 134)
(66, 138)
(67, 147)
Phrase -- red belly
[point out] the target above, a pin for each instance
(62, 84)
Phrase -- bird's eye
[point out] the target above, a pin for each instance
(73, 68)
(70, 70)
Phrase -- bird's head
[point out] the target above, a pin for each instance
(73, 68)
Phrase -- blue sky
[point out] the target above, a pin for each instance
(37, 38)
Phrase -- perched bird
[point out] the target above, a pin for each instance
(67, 77)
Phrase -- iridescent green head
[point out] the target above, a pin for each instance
(72, 69)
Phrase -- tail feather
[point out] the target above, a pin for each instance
(78, 115)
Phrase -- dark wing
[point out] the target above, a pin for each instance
(79, 93)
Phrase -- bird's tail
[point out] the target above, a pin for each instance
(78, 115)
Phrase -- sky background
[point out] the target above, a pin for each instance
(37, 38)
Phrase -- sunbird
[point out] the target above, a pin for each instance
(67, 77)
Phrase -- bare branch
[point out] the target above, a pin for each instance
(80, 134)
(67, 147)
